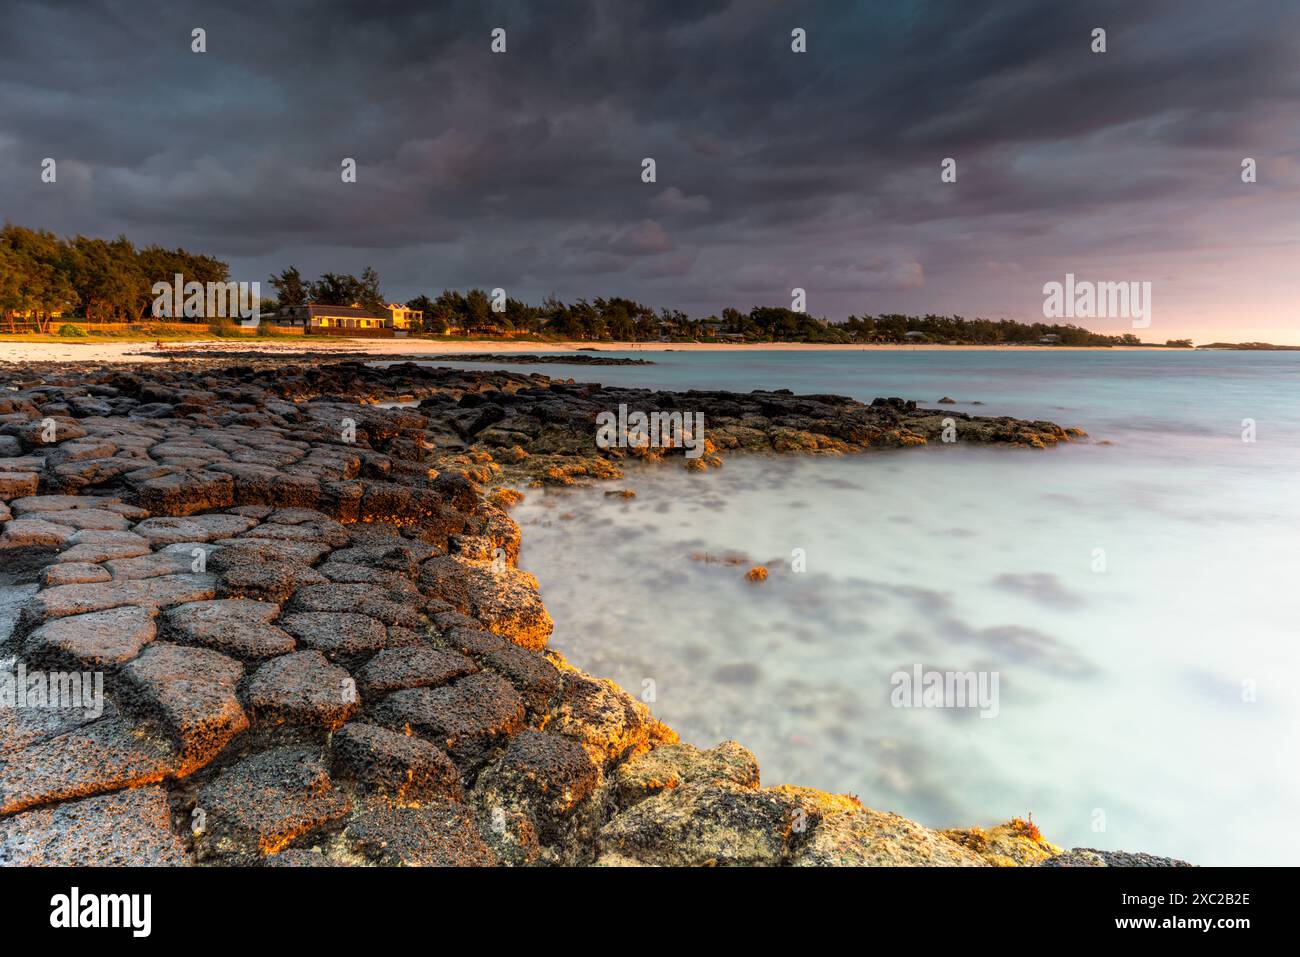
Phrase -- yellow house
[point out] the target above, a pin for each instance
(401, 318)
(315, 316)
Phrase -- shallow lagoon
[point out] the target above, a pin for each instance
(1150, 693)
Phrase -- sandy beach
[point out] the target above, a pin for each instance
(111, 351)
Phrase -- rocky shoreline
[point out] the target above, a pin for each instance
(579, 358)
(315, 647)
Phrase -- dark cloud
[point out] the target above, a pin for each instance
(774, 169)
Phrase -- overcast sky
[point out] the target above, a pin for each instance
(774, 169)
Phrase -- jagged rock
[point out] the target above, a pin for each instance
(337, 634)
(503, 599)
(95, 545)
(396, 668)
(262, 803)
(236, 626)
(97, 640)
(58, 503)
(394, 583)
(34, 533)
(546, 777)
(64, 600)
(673, 765)
(191, 693)
(17, 484)
(838, 831)
(535, 678)
(87, 518)
(302, 688)
(439, 833)
(696, 825)
(104, 755)
(333, 597)
(1091, 857)
(153, 565)
(605, 719)
(73, 573)
(23, 727)
(245, 573)
(404, 767)
(466, 718)
(391, 553)
(185, 493)
(126, 829)
(166, 530)
(1016, 843)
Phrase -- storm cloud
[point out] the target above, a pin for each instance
(775, 169)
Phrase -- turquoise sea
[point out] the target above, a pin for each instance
(1138, 595)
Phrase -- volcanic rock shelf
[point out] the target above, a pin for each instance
(316, 648)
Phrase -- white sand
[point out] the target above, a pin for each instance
(99, 352)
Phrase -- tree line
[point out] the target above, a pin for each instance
(42, 275)
(101, 280)
(620, 319)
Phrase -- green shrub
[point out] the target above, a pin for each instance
(68, 329)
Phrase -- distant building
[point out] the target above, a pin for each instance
(400, 318)
(395, 317)
(914, 334)
(713, 328)
(1050, 339)
(316, 316)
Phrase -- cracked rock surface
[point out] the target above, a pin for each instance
(314, 647)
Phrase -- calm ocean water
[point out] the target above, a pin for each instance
(1145, 705)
